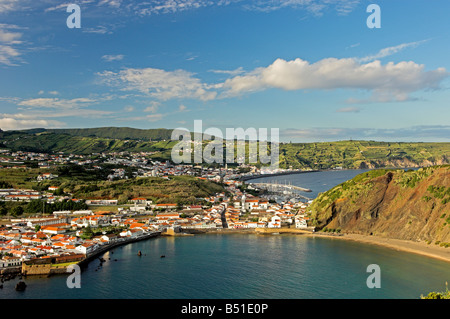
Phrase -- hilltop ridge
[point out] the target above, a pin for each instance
(351, 154)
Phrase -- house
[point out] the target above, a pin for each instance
(161, 218)
(301, 223)
(53, 230)
(87, 248)
(140, 201)
(10, 262)
(165, 206)
(109, 238)
(275, 222)
(125, 233)
(102, 202)
(62, 213)
(46, 176)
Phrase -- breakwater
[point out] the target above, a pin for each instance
(249, 177)
(105, 248)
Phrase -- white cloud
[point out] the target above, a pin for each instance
(159, 83)
(129, 108)
(10, 37)
(316, 7)
(111, 3)
(234, 72)
(63, 6)
(392, 81)
(155, 117)
(98, 30)
(349, 110)
(8, 123)
(182, 108)
(57, 103)
(163, 6)
(8, 5)
(58, 7)
(390, 51)
(153, 107)
(110, 58)
(9, 53)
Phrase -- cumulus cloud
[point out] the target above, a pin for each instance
(21, 122)
(390, 81)
(159, 83)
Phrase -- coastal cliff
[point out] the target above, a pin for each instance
(411, 205)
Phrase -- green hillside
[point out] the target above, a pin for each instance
(413, 205)
(325, 155)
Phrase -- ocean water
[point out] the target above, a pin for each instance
(317, 182)
(245, 266)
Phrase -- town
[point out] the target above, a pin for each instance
(47, 243)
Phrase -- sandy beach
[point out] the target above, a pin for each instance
(421, 248)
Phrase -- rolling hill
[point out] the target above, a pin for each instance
(324, 155)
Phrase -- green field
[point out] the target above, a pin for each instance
(324, 155)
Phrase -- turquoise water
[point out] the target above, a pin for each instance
(245, 266)
(237, 266)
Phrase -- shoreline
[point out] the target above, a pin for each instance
(409, 246)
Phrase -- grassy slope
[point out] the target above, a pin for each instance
(347, 154)
(391, 203)
(179, 189)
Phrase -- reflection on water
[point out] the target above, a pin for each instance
(245, 266)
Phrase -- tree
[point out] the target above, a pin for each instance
(87, 233)
(3, 211)
(17, 211)
(37, 228)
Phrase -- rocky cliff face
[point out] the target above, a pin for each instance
(403, 163)
(412, 205)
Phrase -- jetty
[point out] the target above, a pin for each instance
(290, 172)
(282, 189)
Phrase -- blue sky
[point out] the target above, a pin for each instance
(311, 68)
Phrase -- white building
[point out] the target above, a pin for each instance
(275, 222)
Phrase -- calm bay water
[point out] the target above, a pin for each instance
(245, 266)
(317, 182)
(248, 266)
